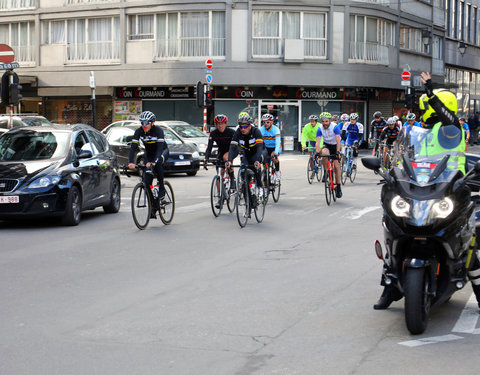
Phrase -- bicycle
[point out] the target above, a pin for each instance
(388, 163)
(248, 195)
(271, 182)
(220, 192)
(349, 169)
(142, 201)
(314, 167)
(330, 186)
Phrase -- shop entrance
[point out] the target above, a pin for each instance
(287, 118)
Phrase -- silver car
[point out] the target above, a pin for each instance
(188, 133)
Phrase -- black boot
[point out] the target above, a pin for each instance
(389, 295)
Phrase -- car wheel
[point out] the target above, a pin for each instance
(191, 173)
(73, 210)
(114, 206)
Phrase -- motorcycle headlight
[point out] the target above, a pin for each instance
(44, 182)
(443, 208)
(400, 207)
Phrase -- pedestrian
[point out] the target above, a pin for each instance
(473, 125)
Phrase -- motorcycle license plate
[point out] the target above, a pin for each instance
(9, 199)
(182, 163)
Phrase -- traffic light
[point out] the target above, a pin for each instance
(410, 97)
(200, 94)
(15, 90)
(208, 98)
(5, 88)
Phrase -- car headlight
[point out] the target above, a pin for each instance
(195, 155)
(400, 207)
(44, 182)
(443, 208)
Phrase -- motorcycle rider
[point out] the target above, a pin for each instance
(440, 108)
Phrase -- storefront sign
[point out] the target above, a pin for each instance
(279, 93)
(137, 93)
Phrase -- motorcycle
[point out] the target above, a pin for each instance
(429, 227)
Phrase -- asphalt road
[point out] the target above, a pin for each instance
(292, 295)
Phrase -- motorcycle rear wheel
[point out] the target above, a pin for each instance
(417, 300)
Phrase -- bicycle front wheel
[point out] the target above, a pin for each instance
(230, 199)
(344, 172)
(260, 208)
(216, 196)
(328, 190)
(276, 191)
(310, 170)
(141, 206)
(353, 172)
(167, 206)
(242, 203)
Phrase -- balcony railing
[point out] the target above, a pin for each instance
(189, 47)
(273, 47)
(24, 55)
(368, 53)
(438, 67)
(70, 2)
(100, 52)
(384, 2)
(17, 4)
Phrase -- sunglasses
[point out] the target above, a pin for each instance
(244, 126)
(145, 123)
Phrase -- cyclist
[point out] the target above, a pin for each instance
(250, 140)
(398, 122)
(376, 126)
(272, 142)
(331, 146)
(411, 120)
(309, 133)
(354, 135)
(389, 134)
(222, 136)
(156, 152)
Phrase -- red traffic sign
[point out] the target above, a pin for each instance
(208, 64)
(6, 54)
(406, 76)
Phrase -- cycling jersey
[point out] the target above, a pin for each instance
(271, 138)
(251, 144)
(415, 123)
(389, 134)
(340, 126)
(376, 128)
(354, 133)
(309, 132)
(154, 142)
(222, 140)
(329, 134)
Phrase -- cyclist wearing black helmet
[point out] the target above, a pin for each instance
(156, 150)
(376, 126)
(222, 136)
(250, 140)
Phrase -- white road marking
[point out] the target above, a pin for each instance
(467, 321)
(357, 214)
(430, 340)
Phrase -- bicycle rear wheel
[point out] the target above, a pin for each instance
(216, 196)
(328, 190)
(260, 209)
(344, 171)
(319, 173)
(310, 170)
(141, 206)
(276, 191)
(230, 199)
(353, 172)
(167, 207)
(242, 203)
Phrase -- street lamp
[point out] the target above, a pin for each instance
(462, 47)
(426, 34)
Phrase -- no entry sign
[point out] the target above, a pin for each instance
(209, 64)
(406, 76)
(6, 54)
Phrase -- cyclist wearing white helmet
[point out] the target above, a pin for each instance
(272, 142)
(354, 135)
(389, 135)
(376, 127)
(156, 151)
(309, 134)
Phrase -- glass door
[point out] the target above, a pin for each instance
(287, 117)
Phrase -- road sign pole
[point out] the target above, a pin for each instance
(205, 88)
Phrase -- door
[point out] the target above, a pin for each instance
(286, 114)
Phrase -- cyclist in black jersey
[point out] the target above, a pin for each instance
(222, 136)
(389, 134)
(156, 151)
(250, 140)
(376, 127)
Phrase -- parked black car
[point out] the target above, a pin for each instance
(57, 171)
(183, 158)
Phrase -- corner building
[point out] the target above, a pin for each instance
(290, 58)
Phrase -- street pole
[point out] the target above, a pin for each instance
(94, 102)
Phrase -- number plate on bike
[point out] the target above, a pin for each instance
(185, 162)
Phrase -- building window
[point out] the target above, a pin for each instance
(369, 39)
(91, 39)
(19, 36)
(71, 2)
(270, 29)
(17, 4)
(141, 27)
(190, 34)
(411, 39)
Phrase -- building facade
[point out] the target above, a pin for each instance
(290, 58)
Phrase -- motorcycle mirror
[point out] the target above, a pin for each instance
(378, 249)
(371, 162)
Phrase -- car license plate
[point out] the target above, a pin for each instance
(185, 162)
(9, 199)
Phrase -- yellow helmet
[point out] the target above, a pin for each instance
(446, 97)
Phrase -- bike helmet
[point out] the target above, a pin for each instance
(446, 97)
(391, 121)
(146, 116)
(354, 116)
(325, 115)
(313, 117)
(411, 116)
(267, 117)
(245, 120)
(345, 117)
(396, 118)
(220, 119)
(334, 118)
(241, 114)
(377, 114)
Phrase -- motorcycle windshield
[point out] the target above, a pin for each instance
(424, 158)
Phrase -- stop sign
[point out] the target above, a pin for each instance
(406, 76)
(208, 64)
(6, 54)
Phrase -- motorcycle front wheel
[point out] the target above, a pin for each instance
(417, 300)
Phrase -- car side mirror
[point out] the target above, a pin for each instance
(371, 162)
(85, 154)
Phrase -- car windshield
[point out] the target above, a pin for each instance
(187, 131)
(36, 121)
(33, 145)
(171, 138)
(120, 135)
